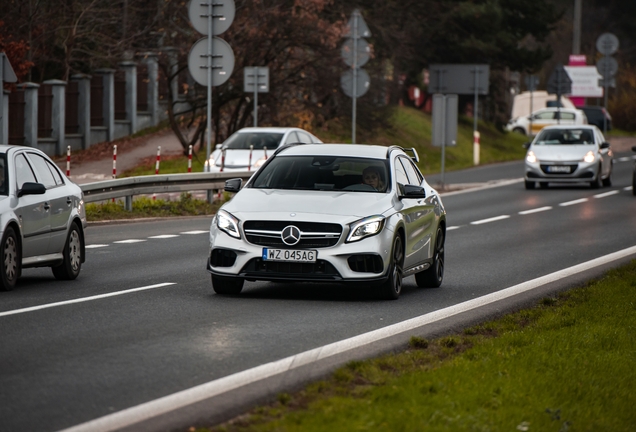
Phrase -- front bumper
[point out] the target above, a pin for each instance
(236, 258)
(579, 171)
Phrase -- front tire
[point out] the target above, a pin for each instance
(9, 260)
(607, 182)
(72, 253)
(597, 182)
(529, 184)
(433, 276)
(227, 286)
(392, 287)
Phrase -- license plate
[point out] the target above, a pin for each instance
(559, 169)
(289, 255)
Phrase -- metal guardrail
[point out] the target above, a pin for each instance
(160, 183)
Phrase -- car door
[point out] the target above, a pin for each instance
(541, 120)
(606, 153)
(58, 198)
(32, 211)
(419, 216)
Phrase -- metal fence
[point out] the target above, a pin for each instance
(153, 184)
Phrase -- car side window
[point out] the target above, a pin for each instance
(548, 115)
(400, 173)
(292, 138)
(23, 171)
(304, 138)
(42, 171)
(567, 116)
(414, 177)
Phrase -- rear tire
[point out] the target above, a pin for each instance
(227, 286)
(72, 253)
(519, 130)
(634, 182)
(9, 260)
(434, 275)
(392, 287)
(529, 184)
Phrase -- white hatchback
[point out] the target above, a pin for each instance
(248, 148)
(531, 125)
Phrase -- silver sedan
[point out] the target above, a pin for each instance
(569, 154)
(42, 216)
(331, 213)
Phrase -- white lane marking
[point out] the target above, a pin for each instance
(164, 236)
(84, 299)
(196, 232)
(625, 159)
(492, 219)
(603, 195)
(130, 241)
(628, 188)
(535, 210)
(167, 404)
(93, 246)
(497, 183)
(569, 203)
(450, 228)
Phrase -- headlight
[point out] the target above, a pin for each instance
(366, 227)
(589, 157)
(228, 224)
(530, 157)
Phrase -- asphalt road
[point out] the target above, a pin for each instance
(76, 351)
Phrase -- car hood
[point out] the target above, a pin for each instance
(561, 152)
(332, 205)
(239, 157)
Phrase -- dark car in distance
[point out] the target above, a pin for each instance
(597, 115)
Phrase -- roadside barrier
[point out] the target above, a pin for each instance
(128, 187)
(115, 161)
(68, 161)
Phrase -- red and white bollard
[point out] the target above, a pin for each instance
(265, 150)
(115, 161)
(154, 196)
(222, 160)
(68, 161)
(249, 163)
(476, 147)
(190, 159)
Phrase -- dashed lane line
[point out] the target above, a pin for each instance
(569, 203)
(84, 299)
(492, 219)
(130, 241)
(535, 210)
(196, 232)
(605, 194)
(450, 228)
(164, 236)
(95, 246)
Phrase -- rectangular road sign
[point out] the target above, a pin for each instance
(459, 78)
(250, 79)
(444, 118)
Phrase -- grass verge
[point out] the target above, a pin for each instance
(565, 365)
(144, 207)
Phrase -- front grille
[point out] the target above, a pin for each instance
(312, 234)
(572, 168)
(366, 263)
(320, 270)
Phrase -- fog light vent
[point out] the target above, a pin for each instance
(365, 263)
(222, 258)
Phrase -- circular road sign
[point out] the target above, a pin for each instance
(363, 82)
(607, 66)
(362, 55)
(607, 44)
(223, 12)
(222, 61)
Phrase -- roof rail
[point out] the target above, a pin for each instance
(412, 150)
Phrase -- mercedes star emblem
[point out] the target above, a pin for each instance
(290, 235)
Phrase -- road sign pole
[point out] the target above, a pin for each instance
(531, 111)
(355, 78)
(605, 92)
(255, 96)
(475, 115)
(443, 141)
(210, 4)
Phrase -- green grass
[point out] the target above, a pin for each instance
(567, 364)
(144, 207)
(408, 127)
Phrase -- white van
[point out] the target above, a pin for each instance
(540, 99)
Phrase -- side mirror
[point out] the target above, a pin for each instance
(233, 185)
(605, 145)
(29, 188)
(413, 192)
(527, 145)
(218, 146)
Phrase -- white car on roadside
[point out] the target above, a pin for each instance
(531, 125)
(248, 148)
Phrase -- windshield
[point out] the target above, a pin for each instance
(324, 173)
(259, 140)
(4, 184)
(565, 137)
